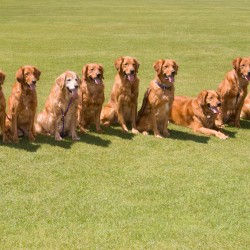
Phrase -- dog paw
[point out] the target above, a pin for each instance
(158, 136)
(145, 133)
(222, 136)
(166, 133)
(135, 131)
(76, 138)
(58, 138)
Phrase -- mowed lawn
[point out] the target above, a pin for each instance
(116, 190)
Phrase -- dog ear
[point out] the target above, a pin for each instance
(176, 67)
(236, 63)
(38, 73)
(157, 66)
(78, 79)
(19, 75)
(85, 72)
(2, 77)
(102, 70)
(60, 81)
(118, 64)
(137, 65)
(202, 97)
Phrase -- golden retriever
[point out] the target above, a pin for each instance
(245, 112)
(158, 99)
(198, 113)
(2, 108)
(23, 103)
(58, 117)
(233, 90)
(122, 106)
(91, 97)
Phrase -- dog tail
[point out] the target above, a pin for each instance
(144, 104)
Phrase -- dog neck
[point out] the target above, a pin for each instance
(163, 86)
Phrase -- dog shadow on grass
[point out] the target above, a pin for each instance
(115, 130)
(245, 124)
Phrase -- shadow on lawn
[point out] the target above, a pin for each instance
(116, 131)
(245, 124)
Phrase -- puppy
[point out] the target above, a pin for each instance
(158, 99)
(245, 112)
(199, 113)
(58, 117)
(91, 97)
(23, 103)
(233, 90)
(122, 106)
(2, 108)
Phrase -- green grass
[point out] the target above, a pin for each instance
(116, 190)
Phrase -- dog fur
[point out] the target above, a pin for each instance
(158, 99)
(233, 91)
(122, 106)
(198, 113)
(23, 103)
(91, 97)
(61, 102)
(245, 112)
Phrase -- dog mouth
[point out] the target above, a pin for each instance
(247, 77)
(73, 92)
(97, 80)
(169, 78)
(214, 109)
(32, 86)
(130, 77)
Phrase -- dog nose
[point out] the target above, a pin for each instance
(132, 71)
(218, 104)
(99, 75)
(34, 81)
(249, 73)
(173, 71)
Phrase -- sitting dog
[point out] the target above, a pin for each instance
(233, 90)
(91, 97)
(58, 117)
(245, 112)
(158, 99)
(199, 113)
(2, 108)
(122, 106)
(23, 103)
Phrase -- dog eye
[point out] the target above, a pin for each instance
(91, 69)
(68, 80)
(26, 74)
(125, 64)
(243, 65)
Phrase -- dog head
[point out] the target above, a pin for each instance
(242, 67)
(69, 81)
(28, 76)
(166, 70)
(93, 72)
(128, 67)
(2, 78)
(210, 100)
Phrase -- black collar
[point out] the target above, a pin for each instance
(163, 86)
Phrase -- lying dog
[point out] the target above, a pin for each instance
(2, 108)
(199, 113)
(58, 117)
(91, 97)
(245, 112)
(122, 106)
(233, 90)
(23, 103)
(157, 102)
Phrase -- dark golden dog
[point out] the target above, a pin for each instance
(122, 106)
(23, 103)
(245, 112)
(91, 97)
(157, 102)
(233, 90)
(2, 108)
(58, 117)
(199, 113)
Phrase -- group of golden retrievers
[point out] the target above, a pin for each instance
(74, 103)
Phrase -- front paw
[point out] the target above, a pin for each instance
(76, 138)
(32, 138)
(58, 138)
(135, 131)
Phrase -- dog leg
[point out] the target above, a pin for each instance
(154, 124)
(208, 131)
(133, 119)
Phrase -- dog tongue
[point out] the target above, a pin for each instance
(131, 77)
(97, 80)
(74, 93)
(32, 86)
(171, 79)
(215, 110)
(247, 78)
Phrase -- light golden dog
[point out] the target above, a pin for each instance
(23, 103)
(233, 90)
(158, 99)
(122, 106)
(245, 112)
(58, 117)
(91, 97)
(198, 113)
(2, 108)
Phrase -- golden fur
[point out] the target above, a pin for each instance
(245, 112)
(2, 108)
(122, 106)
(23, 103)
(157, 102)
(63, 96)
(198, 113)
(233, 90)
(91, 97)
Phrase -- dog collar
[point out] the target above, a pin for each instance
(163, 86)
